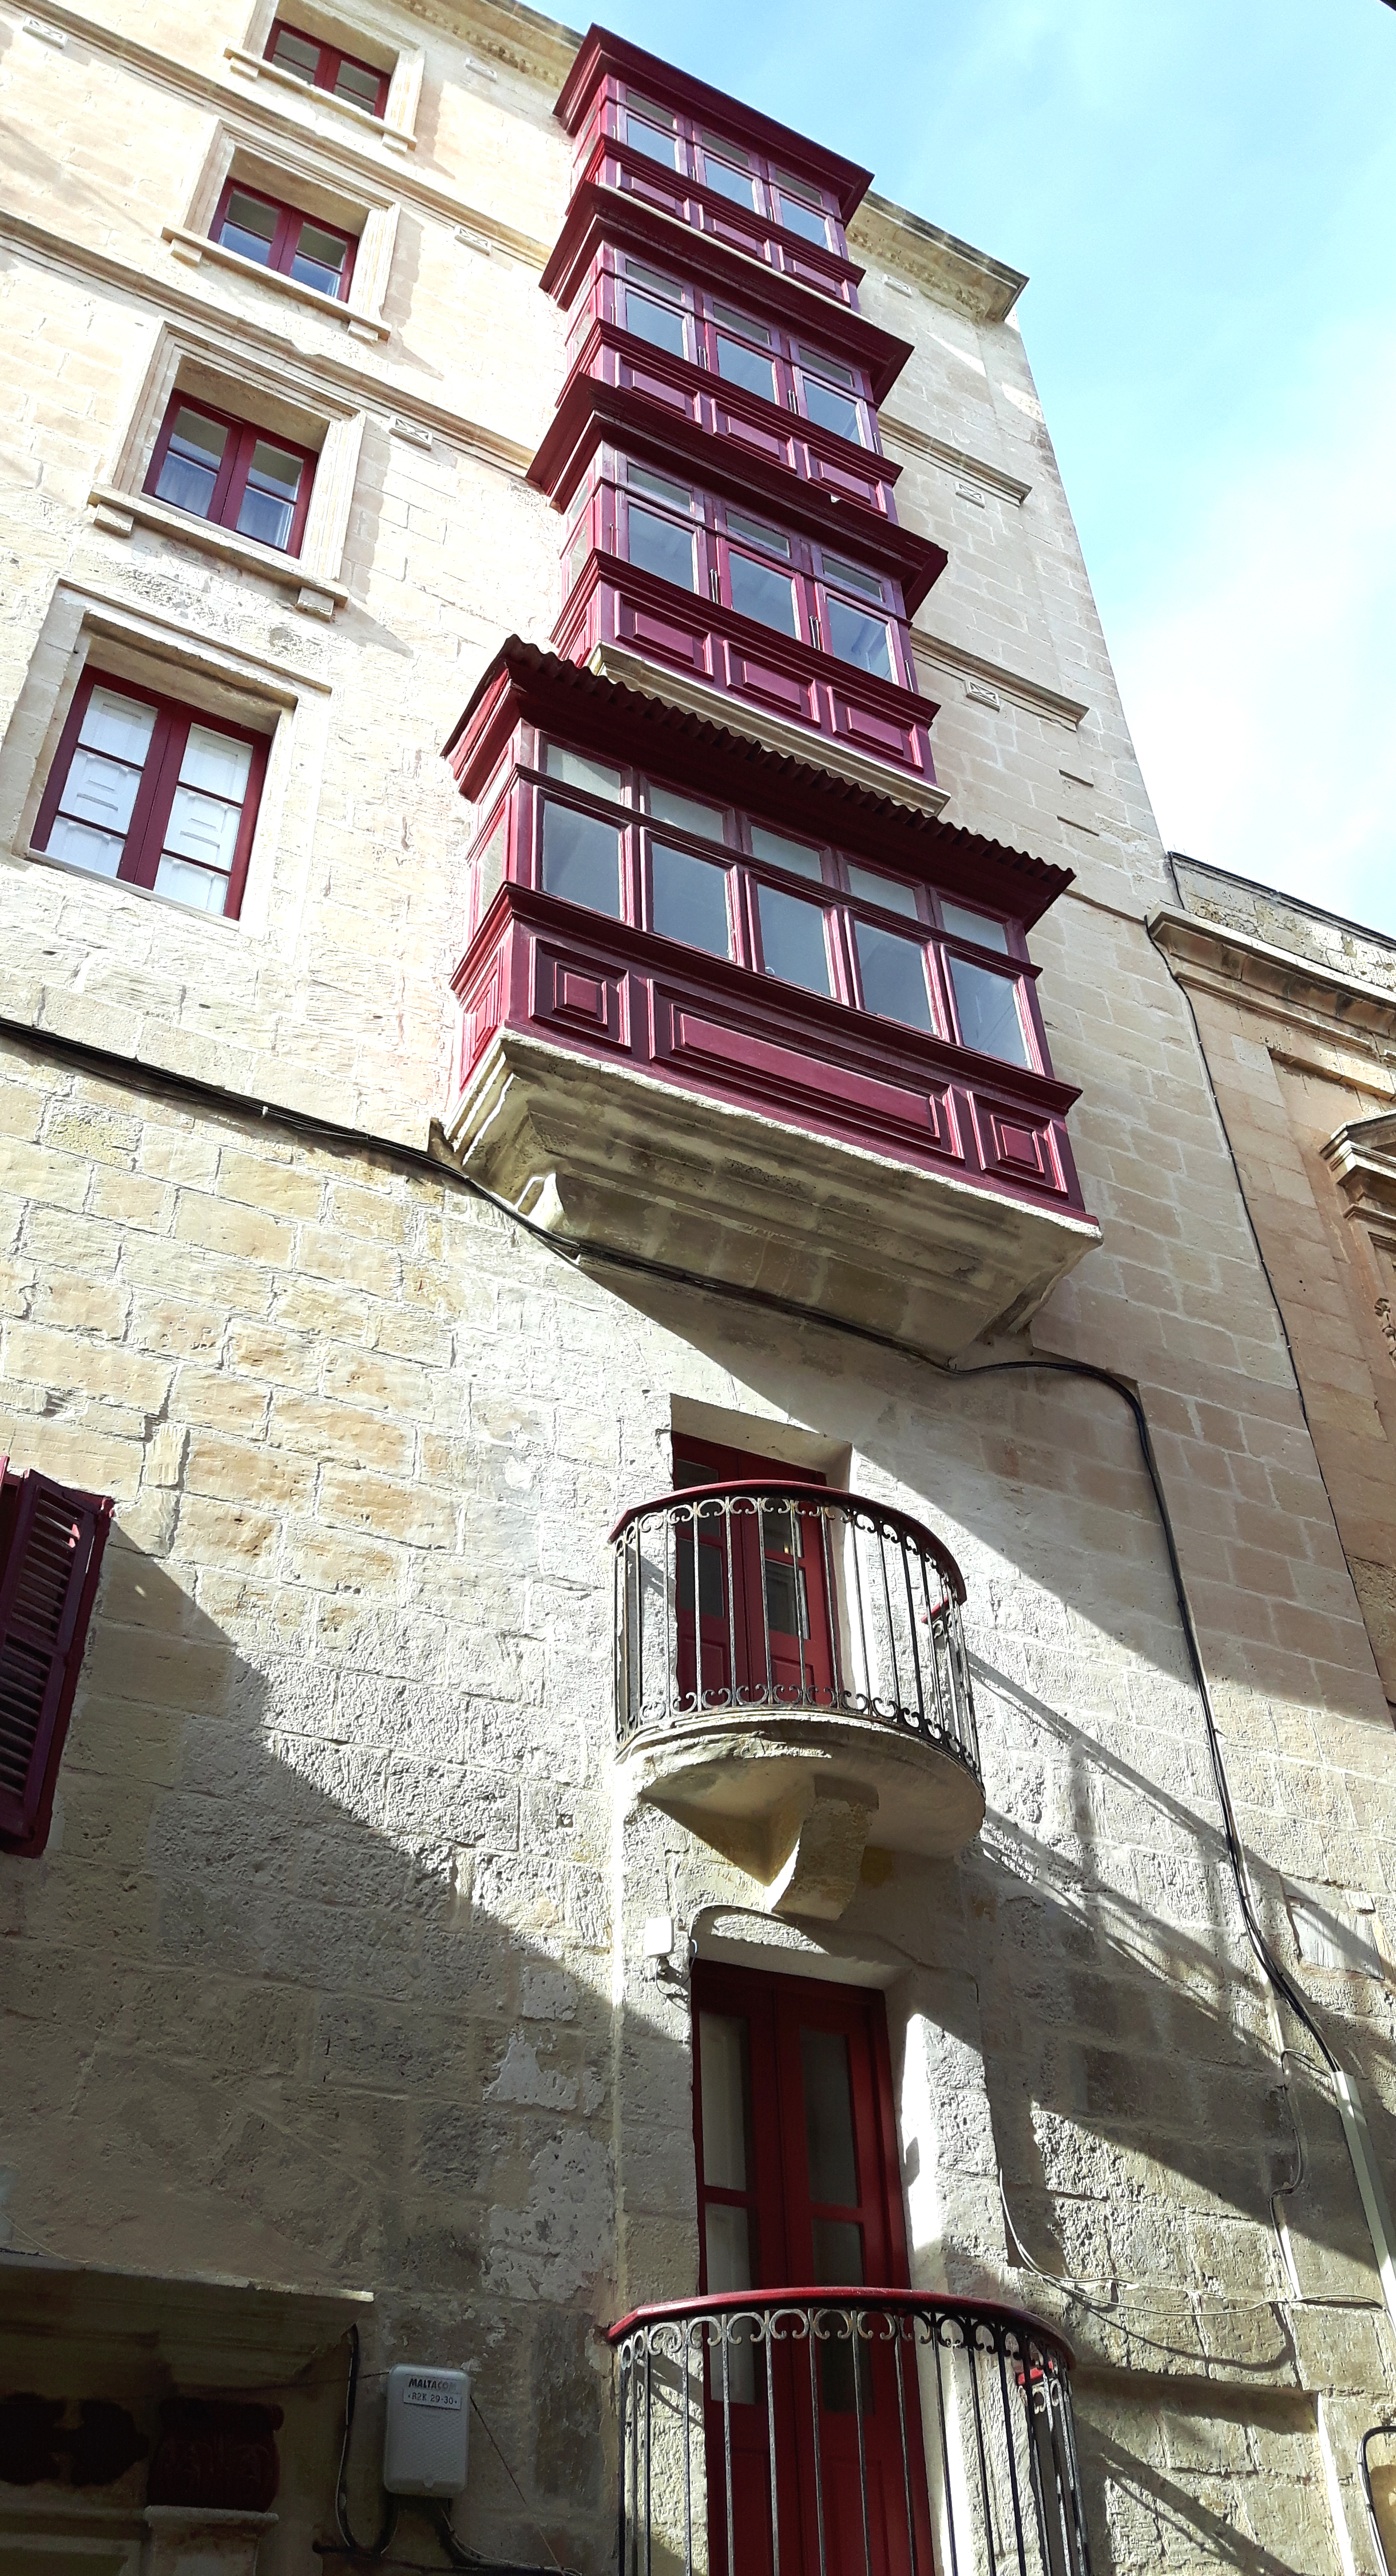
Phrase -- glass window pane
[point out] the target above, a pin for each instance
(727, 182)
(576, 771)
(320, 258)
(664, 287)
(661, 547)
(296, 54)
(657, 323)
(359, 86)
(690, 901)
(216, 763)
(201, 889)
(729, 2249)
(871, 886)
(803, 220)
(741, 526)
(832, 411)
(964, 924)
(833, 2162)
(742, 324)
(659, 487)
(732, 2365)
(651, 139)
(581, 859)
(838, 2251)
(988, 1009)
(743, 366)
(190, 468)
(203, 828)
(758, 590)
(859, 639)
(248, 227)
(792, 940)
(117, 724)
(98, 852)
(724, 2067)
(100, 791)
(830, 367)
(793, 856)
(667, 806)
(894, 977)
(268, 507)
(851, 576)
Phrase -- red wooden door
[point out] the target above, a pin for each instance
(759, 1581)
(797, 2188)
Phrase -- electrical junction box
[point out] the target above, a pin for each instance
(426, 2441)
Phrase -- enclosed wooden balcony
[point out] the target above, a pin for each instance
(722, 1042)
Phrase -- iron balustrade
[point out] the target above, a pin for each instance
(848, 2432)
(785, 1597)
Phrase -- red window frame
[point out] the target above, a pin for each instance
(331, 56)
(145, 833)
(696, 142)
(844, 903)
(231, 483)
(287, 235)
(51, 1543)
(707, 318)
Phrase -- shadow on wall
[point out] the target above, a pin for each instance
(316, 1987)
(299, 1993)
(1126, 2030)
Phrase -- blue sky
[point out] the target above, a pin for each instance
(1203, 197)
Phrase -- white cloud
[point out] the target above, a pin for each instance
(1259, 679)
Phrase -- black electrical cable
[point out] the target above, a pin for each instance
(356, 2548)
(578, 1254)
(1371, 2434)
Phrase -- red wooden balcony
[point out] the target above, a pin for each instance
(727, 1045)
(629, 624)
(704, 160)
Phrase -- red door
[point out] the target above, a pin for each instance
(760, 1580)
(797, 2189)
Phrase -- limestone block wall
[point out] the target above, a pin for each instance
(334, 1971)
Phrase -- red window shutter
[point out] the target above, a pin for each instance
(51, 1546)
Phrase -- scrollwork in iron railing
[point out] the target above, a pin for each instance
(846, 2433)
(741, 1598)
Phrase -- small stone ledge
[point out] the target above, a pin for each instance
(193, 247)
(120, 513)
(956, 460)
(256, 67)
(975, 668)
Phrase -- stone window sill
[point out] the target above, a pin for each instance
(194, 247)
(121, 885)
(255, 67)
(119, 512)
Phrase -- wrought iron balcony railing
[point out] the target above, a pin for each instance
(782, 1598)
(849, 2432)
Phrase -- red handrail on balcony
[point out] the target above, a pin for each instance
(846, 2432)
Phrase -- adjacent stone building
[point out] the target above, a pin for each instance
(670, 1632)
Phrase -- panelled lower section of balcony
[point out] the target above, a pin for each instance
(631, 393)
(627, 1091)
(616, 605)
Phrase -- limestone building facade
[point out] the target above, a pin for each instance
(670, 1633)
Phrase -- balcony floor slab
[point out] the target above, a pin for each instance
(604, 1154)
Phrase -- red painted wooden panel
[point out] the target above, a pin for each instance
(728, 1045)
(581, 996)
(1016, 1146)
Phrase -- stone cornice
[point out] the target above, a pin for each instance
(372, 393)
(952, 271)
(256, 118)
(992, 675)
(1299, 991)
(956, 460)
